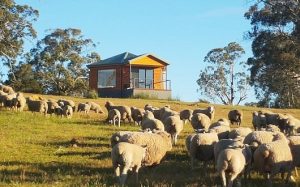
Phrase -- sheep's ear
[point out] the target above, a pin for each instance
(144, 146)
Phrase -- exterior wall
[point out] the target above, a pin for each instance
(147, 61)
(93, 78)
(159, 94)
(158, 84)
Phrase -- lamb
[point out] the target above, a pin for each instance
(149, 122)
(114, 116)
(222, 121)
(158, 144)
(95, 107)
(68, 111)
(126, 156)
(19, 102)
(200, 121)
(173, 125)
(233, 161)
(137, 115)
(37, 106)
(67, 102)
(83, 107)
(124, 110)
(240, 132)
(209, 111)
(259, 120)
(273, 158)
(201, 146)
(7, 89)
(235, 117)
(186, 115)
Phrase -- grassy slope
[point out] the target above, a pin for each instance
(36, 150)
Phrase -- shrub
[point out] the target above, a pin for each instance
(91, 94)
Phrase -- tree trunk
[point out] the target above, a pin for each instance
(231, 85)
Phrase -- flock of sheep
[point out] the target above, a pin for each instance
(62, 107)
(272, 148)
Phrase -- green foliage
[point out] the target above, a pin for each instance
(275, 64)
(220, 80)
(25, 80)
(92, 94)
(15, 25)
(59, 61)
(143, 96)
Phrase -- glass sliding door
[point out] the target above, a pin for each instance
(142, 78)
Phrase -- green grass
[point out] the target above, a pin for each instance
(36, 150)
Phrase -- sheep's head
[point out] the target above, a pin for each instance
(211, 109)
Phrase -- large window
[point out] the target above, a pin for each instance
(142, 78)
(107, 78)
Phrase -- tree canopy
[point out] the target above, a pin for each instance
(275, 65)
(221, 80)
(15, 26)
(58, 61)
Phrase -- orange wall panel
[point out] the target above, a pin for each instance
(158, 78)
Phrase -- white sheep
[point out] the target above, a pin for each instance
(19, 102)
(294, 143)
(67, 102)
(95, 107)
(124, 110)
(52, 104)
(272, 128)
(68, 111)
(137, 115)
(259, 120)
(126, 156)
(2, 98)
(114, 116)
(40, 106)
(83, 107)
(209, 111)
(200, 121)
(257, 138)
(235, 117)
(186, 115)
(200, 146)
(240, 132)
(7, 89)
(221, 127)
(166, 112)
(232, 162)
(224, 144)
(158, 144)
(273, 158)
(149, 122)
(173, 125)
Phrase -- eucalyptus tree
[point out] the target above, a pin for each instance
(15, 27)
(59, 61)
(224, 80)
(275, 64)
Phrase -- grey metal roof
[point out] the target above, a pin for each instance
(122, 58)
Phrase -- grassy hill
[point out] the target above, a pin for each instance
(36, 150)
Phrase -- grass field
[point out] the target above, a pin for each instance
(36, 150)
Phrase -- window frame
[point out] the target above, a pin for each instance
(113, 84)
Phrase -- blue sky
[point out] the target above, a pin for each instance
(181, 32)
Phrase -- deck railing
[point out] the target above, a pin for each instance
(150, 84)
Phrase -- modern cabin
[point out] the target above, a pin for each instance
(128, 75)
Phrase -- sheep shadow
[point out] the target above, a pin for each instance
(49, 173)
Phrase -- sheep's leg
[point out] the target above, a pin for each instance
(231, 179)
(223, 176)
(296, 172)
(192, 162)
(137, 174)
(175, 139)
(119, 122)
(124, 175)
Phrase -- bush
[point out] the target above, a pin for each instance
(91, 94)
